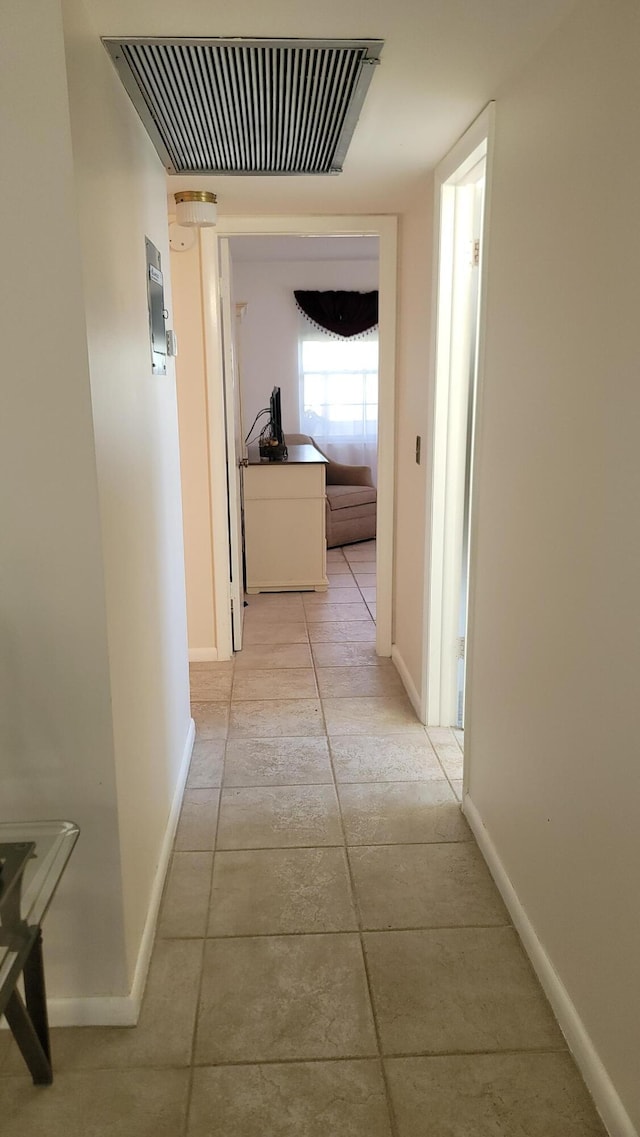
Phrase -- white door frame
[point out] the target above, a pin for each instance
(385, 228)
(438, 660)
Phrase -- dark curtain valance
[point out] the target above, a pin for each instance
(343, 314)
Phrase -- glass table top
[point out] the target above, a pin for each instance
(33, 856)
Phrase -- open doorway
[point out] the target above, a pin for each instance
(289, 288)
(461, 207)
(383, 231)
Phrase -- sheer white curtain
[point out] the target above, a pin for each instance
(339, 394)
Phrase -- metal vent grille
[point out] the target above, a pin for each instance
(247, 106)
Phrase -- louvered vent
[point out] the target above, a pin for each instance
(247, 106)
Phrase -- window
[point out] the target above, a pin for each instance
(339, 387)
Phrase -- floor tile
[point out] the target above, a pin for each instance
(276, 891)
(384, 758)
(457, 787)
(334, 682)
(97, 1103)
(211, 665)
(298, 1099)
(457, 989)
(373, 609)
(380, 715)
(254, 656)
(211, 720)
(279, 817)
(170, 998)
(337, 567)
(396, 813)
(210, 686)
(448, 751)
(366, 568)
(288, 612)
(347, 655)
(285, 632)
(425, 886)
(362, 551)
(263, 718)
(364, 579)
(342, 631)
(186, 898)
(327, 612)
(197, 825)
(281, 997)
(207, 759)
(369, 592)
(277, 761)
(334, 595)
(492, 1095)
(297, 683)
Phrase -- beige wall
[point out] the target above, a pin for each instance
(121, 198)
(56, 732)
(194, 450)
(554, 716)
(414, 410)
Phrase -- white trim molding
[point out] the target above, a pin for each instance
(603, 1091)
(124, 1010)
(203, 654)
(409, 685)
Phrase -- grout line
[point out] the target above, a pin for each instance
(352, 845)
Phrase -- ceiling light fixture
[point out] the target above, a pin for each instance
(196, 208)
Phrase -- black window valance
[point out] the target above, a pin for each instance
(343, 314)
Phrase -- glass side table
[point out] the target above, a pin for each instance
(33, 857)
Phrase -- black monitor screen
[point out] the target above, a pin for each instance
(275, 410)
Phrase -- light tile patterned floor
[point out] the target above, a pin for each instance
(332, 957)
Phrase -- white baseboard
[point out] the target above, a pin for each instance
(124, 1010)
(603, 1091)
(409, 685)
(203, 654)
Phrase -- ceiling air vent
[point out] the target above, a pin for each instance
(240, 106)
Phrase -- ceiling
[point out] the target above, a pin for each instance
(443, 60)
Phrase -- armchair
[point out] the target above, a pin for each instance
(351, 498)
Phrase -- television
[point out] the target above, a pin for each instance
(275, 412)
(272, 442)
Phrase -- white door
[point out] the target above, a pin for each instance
(233, 433)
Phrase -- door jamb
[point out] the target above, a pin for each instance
(461, 158)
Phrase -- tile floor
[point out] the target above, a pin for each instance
(332, 956)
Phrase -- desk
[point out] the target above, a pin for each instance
(284, 522)
(33, 856)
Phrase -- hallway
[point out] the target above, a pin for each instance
(332, 957)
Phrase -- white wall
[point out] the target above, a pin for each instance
(56, 732)
(554, 715)
(269, 332)
(121, 197)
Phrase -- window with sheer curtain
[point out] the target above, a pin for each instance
(339, 394)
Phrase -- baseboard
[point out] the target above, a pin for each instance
(602, 1089)
(203, 654)
(409, 685)
(124, 1010)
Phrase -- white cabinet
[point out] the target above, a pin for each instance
(284, 523)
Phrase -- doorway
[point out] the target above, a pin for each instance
(461, 233)
(384, 229)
